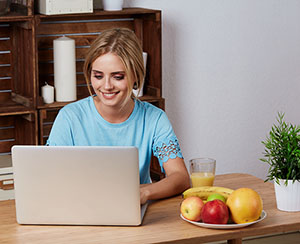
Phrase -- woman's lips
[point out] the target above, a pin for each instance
(109, 95)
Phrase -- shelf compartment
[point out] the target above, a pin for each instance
(17, 76)
(20, 10)
(17, 129)
(46, 120)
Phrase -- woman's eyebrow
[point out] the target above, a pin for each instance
(118, 72)
(96, 71)
(115, 72)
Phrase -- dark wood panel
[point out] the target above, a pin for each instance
(50, 116)
(152, 45)
(23, 63)
(88, 27)
(5, 146)
(82, 92)
(7, 133)
(6, 121)
(4, 31)
(5, 84)
(5, 71)
(4, 58)
(4, 96)
(46, 129)
(80, 79)
(26, 129)
(5, 45)
(46, 119)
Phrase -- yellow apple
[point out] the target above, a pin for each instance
(191, 208)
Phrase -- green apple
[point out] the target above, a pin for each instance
(215, 196)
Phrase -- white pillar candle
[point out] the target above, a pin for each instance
(139, 92)
(64, 69)
(48, 93)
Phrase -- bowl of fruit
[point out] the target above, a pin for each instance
(221, 208)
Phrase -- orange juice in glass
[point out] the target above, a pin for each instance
(202, 171)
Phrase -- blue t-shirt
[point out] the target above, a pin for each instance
(147, 128)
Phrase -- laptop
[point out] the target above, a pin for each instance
(77, 185)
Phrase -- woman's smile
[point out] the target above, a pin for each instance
(109, 95)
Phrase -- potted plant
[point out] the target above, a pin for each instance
(282, 153)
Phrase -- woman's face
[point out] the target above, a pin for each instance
(109, 80)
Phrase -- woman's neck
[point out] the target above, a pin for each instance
(114, 115)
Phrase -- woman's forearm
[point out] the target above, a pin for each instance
(172, 185)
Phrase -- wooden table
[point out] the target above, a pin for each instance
(162, 223)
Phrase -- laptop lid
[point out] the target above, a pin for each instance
(76, 185)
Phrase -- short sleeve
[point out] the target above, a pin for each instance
(61, 132)
(166, 145)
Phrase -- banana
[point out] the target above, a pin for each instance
(204, 191)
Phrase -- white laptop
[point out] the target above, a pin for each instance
(77, 185)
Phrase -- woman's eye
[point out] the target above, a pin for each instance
(119, 77)
(98, 77)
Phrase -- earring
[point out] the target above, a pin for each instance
(135, 86)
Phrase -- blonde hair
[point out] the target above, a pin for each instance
(123, 43)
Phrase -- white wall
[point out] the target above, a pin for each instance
(228, 68)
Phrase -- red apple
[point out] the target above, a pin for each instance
(191, 208)
(215, 212)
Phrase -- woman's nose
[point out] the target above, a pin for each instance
(108, 84)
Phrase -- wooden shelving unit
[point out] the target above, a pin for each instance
(26, 63)
(18, 114)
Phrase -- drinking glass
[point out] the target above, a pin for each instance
(202, 171)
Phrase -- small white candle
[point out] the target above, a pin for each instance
(64, 69)
(137, 92)
(48, 93)
(112, 5)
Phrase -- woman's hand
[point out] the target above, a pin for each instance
(144, 193)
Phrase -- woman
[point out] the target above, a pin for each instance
(114, 117)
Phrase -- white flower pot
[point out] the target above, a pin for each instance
(112, 5)
(288, 197)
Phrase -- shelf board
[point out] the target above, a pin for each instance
(101, 12)
(134, 11)
(14, 16)
(53, 105)
(148, 98)
(12, 108)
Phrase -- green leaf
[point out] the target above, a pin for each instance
(282, 151)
